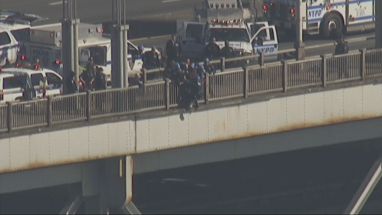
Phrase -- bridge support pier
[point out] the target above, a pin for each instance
(107, 185)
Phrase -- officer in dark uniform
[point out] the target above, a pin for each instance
(100, 82)
(70, 83)
(227, 51)
(87, 76)
(212, 50)
(343, 67)
(151, 59)
(173, 50)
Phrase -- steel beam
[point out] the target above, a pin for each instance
(366, 188)
(299, 44)
(119, 49)
(70, 58)
(378, 24)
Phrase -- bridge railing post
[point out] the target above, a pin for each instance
(246, 82)
(261, 59)
(144, 78)
(88, 105)
(285, 76)
(222, 64)
(363, 63)
(167, 93)
(323, 70)
(49, 111)
(9, 117)
(207, 89)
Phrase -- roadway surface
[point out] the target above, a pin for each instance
(264, 184)
(100, 12)
(97, 11)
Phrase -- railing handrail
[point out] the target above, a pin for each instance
(162, 95)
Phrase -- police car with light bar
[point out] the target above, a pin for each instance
(224, 20)
(17, 78)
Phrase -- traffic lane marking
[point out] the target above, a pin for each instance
(55, 3)
(169, 1)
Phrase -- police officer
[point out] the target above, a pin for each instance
(208, 67)
(151, 59)
(342, 48)
(212, 50)
(87, 76)
(70, 83)
(173, 50)
(100, 82)
(227, 51)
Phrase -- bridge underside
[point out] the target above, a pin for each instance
(258, 145)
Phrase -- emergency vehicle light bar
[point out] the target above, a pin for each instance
(235, 21)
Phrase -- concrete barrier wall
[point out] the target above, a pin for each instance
(204, 126)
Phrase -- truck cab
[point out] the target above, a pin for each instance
(224, 20)
(247, 38)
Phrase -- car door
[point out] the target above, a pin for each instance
(192, 43)
(134, 57)
(254, 27)
(261, 44)
(11, 89)
(55, 81)
(8, 49)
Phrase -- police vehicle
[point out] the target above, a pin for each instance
(321, 16)
(15, 86)
(46, 44)
(224, 20)
(38, 78)
(14, 30)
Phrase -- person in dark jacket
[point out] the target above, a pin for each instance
(100, 80)
(341, 49)
(70, 83)
(173, 50)
(212, 50)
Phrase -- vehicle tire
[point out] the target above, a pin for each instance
(332, 26)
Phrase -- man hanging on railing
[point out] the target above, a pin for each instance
(191, 88)
(342, 48)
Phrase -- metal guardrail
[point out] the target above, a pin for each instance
(162, 95)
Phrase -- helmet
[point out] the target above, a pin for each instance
(141, 47)
(207, 59)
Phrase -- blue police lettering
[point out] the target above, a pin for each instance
(315, 13)
(268, 49)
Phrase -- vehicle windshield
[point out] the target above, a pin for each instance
(230, 34)
(21, 35)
